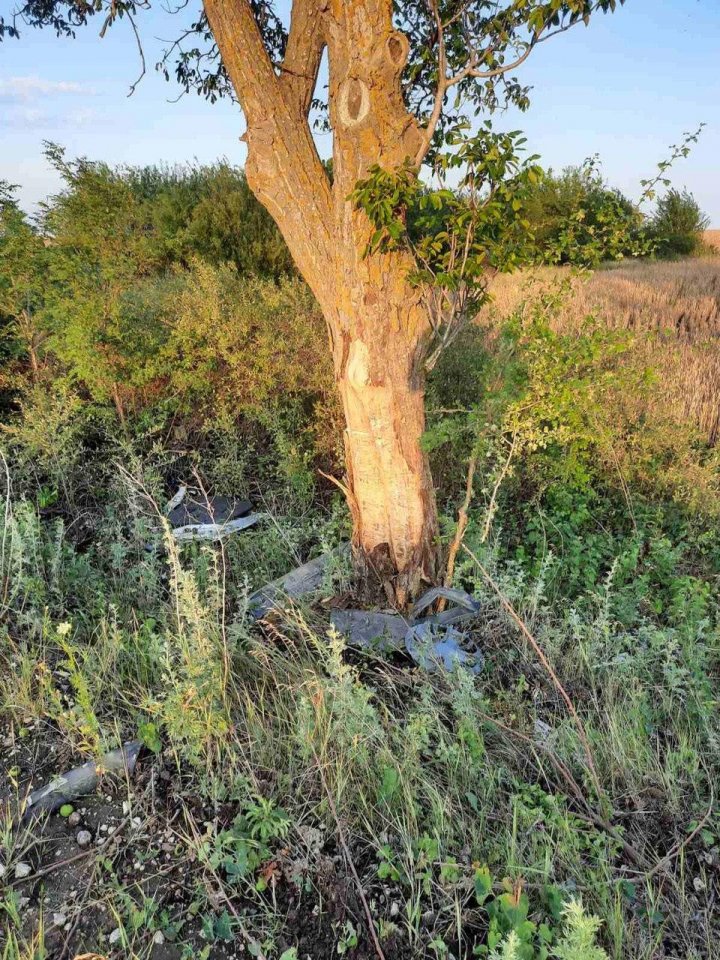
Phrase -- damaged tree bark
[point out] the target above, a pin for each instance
(378, 327)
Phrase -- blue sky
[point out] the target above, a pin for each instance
(624, 88)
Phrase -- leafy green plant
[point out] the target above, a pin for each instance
(578, 219)
(678, 223)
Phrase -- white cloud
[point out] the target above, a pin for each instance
(33, 87)
(27, 118)
(34, 117)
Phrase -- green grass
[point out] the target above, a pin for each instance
(433, 777)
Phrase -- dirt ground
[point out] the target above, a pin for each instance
(135, 890)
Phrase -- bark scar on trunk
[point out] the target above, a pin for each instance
(353, 102)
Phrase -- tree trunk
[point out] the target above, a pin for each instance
(391, 493)
(377, 324)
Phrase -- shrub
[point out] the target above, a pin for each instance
(678, 224)
(577, 218)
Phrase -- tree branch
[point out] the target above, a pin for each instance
(472, 70)
(306, 42)
(283, 168)
(245, 56)
(442, 87)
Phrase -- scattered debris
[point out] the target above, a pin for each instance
(434, 645)
(385, 632)
(543, 731)
(209, 518)
(433, 642)
(81, 780)
(297, 583)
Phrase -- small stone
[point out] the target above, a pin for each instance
(394, 909)
(136, 822)
(115, 935)
(698, 884)
(22, 870)
(74, 819)
(23, 902)
(3, 870)
(159, 938)
(59, 919)
(84, 838)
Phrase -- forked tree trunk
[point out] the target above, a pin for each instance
(378, 327)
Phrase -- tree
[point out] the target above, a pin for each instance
(678, 224)
(577, 218)
(22, 261)
(99, 244)
(402, 79)
(210, 212)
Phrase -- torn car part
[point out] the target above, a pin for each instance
(213, 531)
(300, 582)
(207, 518)
(81, 780)
(432, 642)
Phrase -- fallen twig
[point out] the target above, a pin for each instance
(590, 816)
(681, 845)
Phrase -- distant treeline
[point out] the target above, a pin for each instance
(147, 288)
(575, 217)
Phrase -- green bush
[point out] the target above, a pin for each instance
(678, 224)
(577, 218)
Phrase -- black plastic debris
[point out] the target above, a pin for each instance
(433, 642)
(208, 510)
(196, 517)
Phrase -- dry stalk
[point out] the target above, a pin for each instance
(547, 666)
(349, 859)
(459, 530)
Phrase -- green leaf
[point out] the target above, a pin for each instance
(482, 884)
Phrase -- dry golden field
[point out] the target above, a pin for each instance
(712, 238)
(673, 308)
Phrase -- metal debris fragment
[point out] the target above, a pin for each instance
(300, 582)
(81, 780)
(432, 642)
(208, 518)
